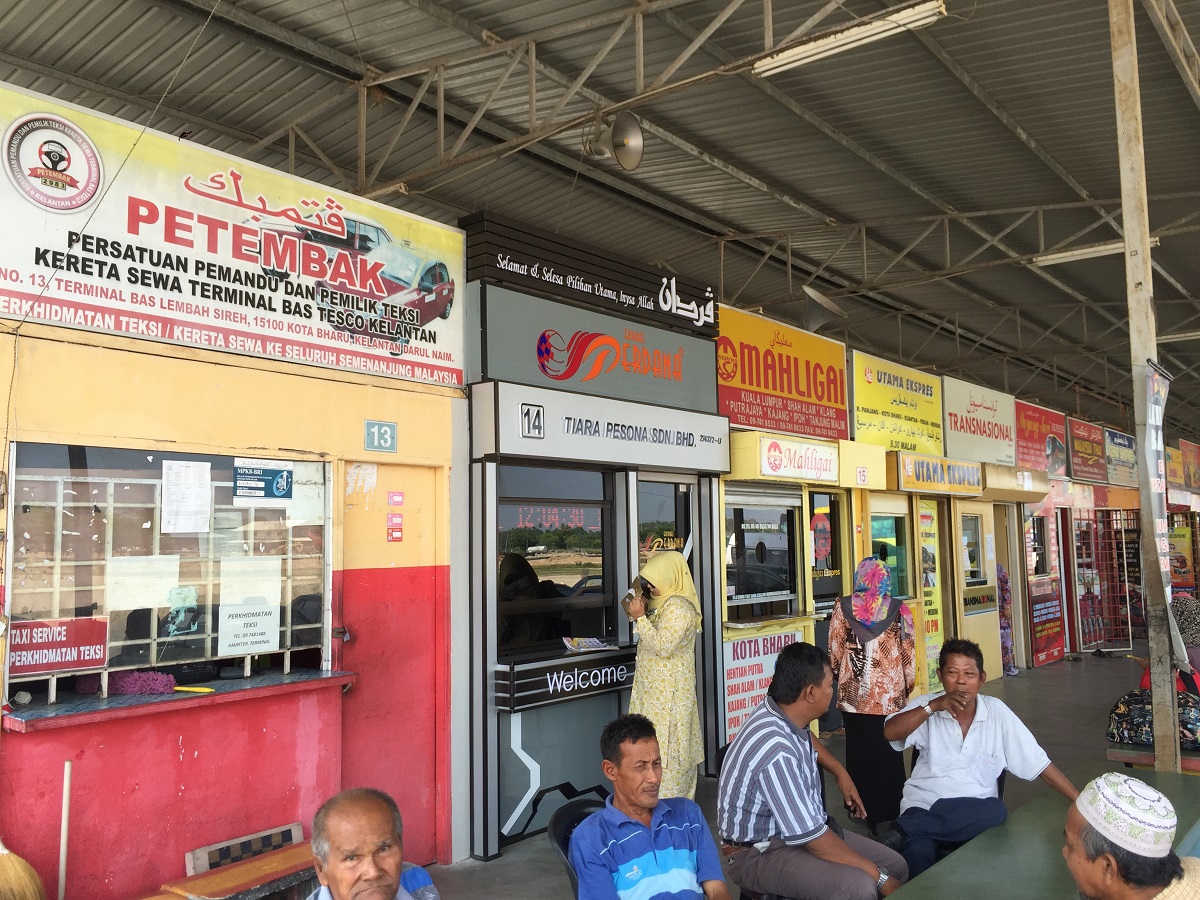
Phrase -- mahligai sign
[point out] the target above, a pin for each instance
(111, 228)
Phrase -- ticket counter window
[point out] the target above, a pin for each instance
(760, 555)
(554, 541)
(890, 542)
(826, 549)
(664, 519)
(972, 550)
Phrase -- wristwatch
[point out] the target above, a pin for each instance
(881, 880)
(928, 709)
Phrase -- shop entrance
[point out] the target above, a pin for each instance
(391, 597)
(975, 566)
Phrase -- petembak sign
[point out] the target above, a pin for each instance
(57, 645)
(110, 228)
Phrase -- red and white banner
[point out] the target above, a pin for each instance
(109, 228)
(57, 645)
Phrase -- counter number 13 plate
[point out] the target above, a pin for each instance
(533, 421)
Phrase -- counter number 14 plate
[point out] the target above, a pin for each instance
(533, 421)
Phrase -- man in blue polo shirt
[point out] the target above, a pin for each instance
(638, 845)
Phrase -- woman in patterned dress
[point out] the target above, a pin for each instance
(871, 649)
(664, 683)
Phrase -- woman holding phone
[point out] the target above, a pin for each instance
(665, 612)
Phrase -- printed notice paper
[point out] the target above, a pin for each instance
(250, 594)
(186, 497)
(140, 582)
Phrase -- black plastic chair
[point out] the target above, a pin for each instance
(561, 826)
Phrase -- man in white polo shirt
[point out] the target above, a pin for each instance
(966, 740)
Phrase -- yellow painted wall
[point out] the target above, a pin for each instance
(69, 387)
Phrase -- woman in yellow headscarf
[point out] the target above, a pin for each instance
(666, 615)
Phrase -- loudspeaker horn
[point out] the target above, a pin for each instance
(821, 311)
(620, 139)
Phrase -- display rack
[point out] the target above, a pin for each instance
(1119, 571)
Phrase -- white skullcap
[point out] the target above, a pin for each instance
(1129, 813)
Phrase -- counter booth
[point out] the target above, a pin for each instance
(571, 493)
(790, 551)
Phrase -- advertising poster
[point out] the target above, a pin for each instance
(1158, 385)
(1183, 565)
(749, 665)
(1046, 619)
(109, 228)
(1175, 476)
(980, 423)
(1120, 456)
(1085, 446)
(896, 407)
(777, 378)
(1191, 464)
(1041, 438)
(931, 593)
(57, 645)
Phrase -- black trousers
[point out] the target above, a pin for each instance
(877, 769)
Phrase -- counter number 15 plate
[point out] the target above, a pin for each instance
(533, 421)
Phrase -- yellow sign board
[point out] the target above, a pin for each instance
(936, 475)
(896, 407)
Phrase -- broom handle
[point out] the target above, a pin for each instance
(62, 840)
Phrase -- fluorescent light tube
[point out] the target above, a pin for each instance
(899, 18)
(1088, 251)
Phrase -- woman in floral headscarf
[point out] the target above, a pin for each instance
(871, 648)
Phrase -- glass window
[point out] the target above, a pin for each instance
(972, 550)
(157, 546)
(664, 519)
(554, 572)
(825, 549)
(760, 554)
(1039, 556)
(889, 542)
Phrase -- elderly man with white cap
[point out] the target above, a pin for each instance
(1118, 844)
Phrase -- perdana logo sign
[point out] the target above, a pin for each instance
(52, 163)
(590, 354)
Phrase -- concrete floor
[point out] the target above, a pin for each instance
(1065, 705)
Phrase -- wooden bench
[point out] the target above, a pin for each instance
(250, 879)
(1143, 758)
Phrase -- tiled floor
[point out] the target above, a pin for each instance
(1065, 704)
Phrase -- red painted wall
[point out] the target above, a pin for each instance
(147, 789)
(396, 721)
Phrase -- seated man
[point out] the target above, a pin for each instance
(358, 852)
(639, 845)
(1118, 843)
(777, 835)
(966, 740)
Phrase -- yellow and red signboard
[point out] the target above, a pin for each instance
(780, 379)
(111, 228)
(896, 407)
(1191, 464)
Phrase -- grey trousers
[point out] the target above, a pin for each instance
(795, 873)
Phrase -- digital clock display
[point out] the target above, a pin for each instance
(548, 518)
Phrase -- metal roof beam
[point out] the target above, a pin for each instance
(1174, 34)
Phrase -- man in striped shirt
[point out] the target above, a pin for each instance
(776, 834)
(639, 846)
